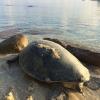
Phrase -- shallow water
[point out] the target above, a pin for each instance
(74, 20)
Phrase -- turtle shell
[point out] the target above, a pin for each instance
(48, 61)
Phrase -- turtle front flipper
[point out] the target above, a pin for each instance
(13, 60)
(80, 88)
(74, 85)
(71, 85)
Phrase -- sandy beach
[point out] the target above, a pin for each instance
(74, 24)
(12, 78)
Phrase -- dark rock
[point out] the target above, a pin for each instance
(83, 54)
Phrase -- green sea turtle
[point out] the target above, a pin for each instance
(13, 44)
(49, 62)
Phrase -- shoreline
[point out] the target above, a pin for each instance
(11, 76)
(48, 33)
(82, 52)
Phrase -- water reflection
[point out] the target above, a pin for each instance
(75, 19)
(9, 14)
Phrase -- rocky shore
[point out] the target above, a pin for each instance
(16, 84)
(82, 53)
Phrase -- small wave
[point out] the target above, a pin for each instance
(9, 5)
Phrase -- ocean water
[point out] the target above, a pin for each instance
(74, 20)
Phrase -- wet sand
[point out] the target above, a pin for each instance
(14, 79)
(22, 86)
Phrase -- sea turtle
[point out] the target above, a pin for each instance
(13, 44)
(49, 62)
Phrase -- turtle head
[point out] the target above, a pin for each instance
(21, 43)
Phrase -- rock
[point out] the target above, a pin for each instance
(83, 54)
(14, 44)
(29, 98)
(9, 96)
